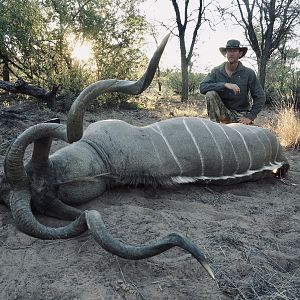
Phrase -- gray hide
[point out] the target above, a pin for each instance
(178, 150)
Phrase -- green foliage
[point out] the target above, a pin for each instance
(72, 82)
(283, 79)
(20, 42)
(118, 52)
(35, 40)
(174, 81)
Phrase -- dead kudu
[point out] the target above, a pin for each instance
(174, 151)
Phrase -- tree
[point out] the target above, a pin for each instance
(283, 78)
(267, 24)
(186, 54)
(20, 23)
(117, 52)
(36, 39)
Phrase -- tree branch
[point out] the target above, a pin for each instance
(195, 32)
(178, 17)
(22, 87)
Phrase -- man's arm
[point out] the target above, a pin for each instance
(209, 83)
(258, 96)
(232, 86)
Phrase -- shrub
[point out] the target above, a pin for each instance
(72, 82)
(287, 126)
(174, 81)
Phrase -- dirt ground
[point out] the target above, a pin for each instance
(249, 232)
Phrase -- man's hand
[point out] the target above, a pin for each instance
(244, 120)
(232, 86)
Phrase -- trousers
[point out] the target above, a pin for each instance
(218, 112)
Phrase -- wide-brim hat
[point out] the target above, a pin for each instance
(233, 44)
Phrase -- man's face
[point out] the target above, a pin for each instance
(233, 55)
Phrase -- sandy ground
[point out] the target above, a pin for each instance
(249, 232)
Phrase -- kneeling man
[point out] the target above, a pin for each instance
(227, 89)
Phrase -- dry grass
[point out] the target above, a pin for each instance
(262, 282)
(260, 274)
(287, 126)
(167, 105)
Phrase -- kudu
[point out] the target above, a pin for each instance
(179, 150)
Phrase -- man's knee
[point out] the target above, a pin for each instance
(212, 95)
(216, 109)
(213, 100)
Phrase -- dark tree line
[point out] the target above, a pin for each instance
(35, 37)
(36, 40)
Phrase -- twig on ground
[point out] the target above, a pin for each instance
(222, 251)
(136, 288)
(287, 182)
(210, 190)
(121, 271)
(130, 284)
(79, 250)
(18, 248)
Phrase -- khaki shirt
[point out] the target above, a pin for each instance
(247, 81)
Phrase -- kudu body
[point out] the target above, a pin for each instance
(112, 152)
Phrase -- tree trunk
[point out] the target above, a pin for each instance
(262, 65)
(185, 80)
(158, 79)
(182, 27)
(184, 69)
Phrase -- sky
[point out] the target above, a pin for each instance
(207, 54)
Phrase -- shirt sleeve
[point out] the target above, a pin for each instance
(209, 83)
(258, 97)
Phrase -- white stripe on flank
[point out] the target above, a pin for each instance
(270, 152)
(235, 155)
(151, 127)
(253, 130)
(156, 151)
(218, 147)
(247, 149)
(197, 147)
(168, 145)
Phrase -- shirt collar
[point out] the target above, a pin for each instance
(239, 68)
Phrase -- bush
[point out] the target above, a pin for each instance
(174, 82)
(283, 80)
(287, 126)
(72, 82)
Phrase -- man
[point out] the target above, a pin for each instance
(227, 88)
